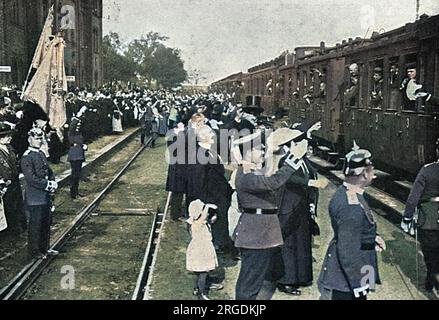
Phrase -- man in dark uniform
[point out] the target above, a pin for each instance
(77, 150)
(258, 233)
(39, 185)
(425, 197)
(350, 269)
(12, 199)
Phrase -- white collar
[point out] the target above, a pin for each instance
(354, 188)
(34, 149)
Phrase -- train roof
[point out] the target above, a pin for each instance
(424, 28)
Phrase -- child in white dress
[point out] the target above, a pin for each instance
(201, 256)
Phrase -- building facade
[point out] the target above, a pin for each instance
(13, 44)
(81, 24)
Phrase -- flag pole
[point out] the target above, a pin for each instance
(49, 22)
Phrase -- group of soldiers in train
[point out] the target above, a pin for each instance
(414, 95)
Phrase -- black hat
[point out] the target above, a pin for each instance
(411, 65)
(357, 160)
(254, 110)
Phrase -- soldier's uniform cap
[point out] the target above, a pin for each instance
(5, 130)
(378, 70)
(36, 133)
(357, 160)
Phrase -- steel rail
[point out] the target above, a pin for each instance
(148, 260)
(30, 273)
(149, 267)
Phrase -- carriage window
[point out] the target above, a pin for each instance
(351, 94)
(320, 85)
(269, 86)
(281, 86)
(394, 82)
(410, 85)
(376, 84)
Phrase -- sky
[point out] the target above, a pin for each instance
(222, 37)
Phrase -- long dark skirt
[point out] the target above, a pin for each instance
(292, 264)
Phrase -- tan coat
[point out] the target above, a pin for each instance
(201, 254)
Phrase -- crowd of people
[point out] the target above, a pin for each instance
(248, 190)
(28, 145)
(261, 210)
(240, 187)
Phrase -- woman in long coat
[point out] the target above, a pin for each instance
(295, 217)
(176, 182)
(206, 181)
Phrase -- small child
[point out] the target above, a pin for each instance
(201, 256)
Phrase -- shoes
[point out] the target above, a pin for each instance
(216, 286)
(291, 290)
(201, 296)
(52, 253)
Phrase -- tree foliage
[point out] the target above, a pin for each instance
(147, 57)
(117, 66)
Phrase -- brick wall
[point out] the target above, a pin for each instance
(21, 22)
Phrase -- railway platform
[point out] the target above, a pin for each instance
(398, 269)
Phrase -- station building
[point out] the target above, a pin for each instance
(21, 23)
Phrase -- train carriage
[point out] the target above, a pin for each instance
(318, 73)
(400, 137)
(354, 88)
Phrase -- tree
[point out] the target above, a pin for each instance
(156, 61)
(168, 67)
(117, 66)
(147, 57)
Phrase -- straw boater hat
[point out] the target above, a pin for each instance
(284, 136)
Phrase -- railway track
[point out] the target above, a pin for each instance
(19, 285)
(143, 286)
